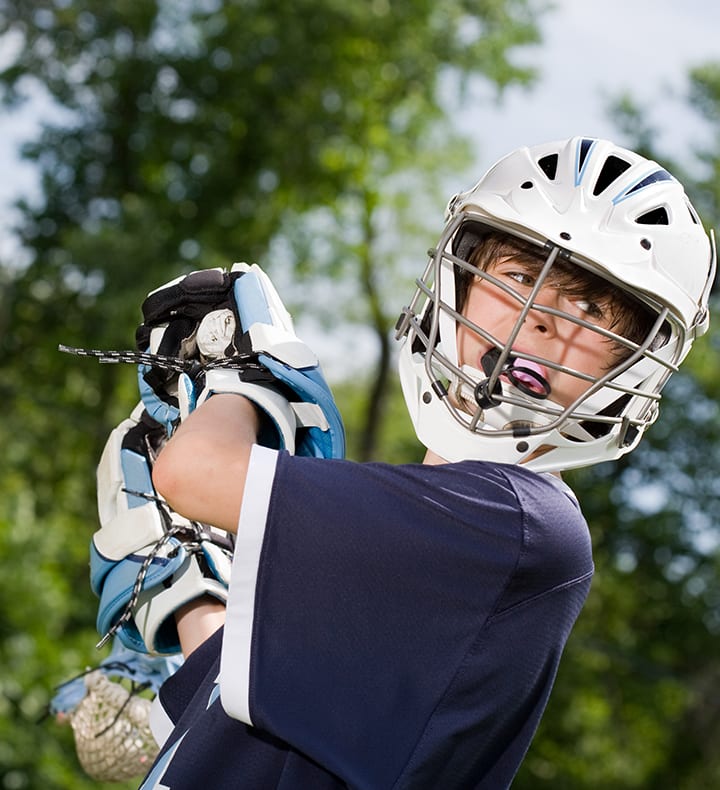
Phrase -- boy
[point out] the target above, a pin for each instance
(401, 627)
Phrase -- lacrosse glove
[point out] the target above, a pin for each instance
(145, 560)
(236, 329)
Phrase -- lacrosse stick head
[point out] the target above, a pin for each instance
(112, 731)
(108, 709)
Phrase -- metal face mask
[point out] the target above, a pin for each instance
(510, 402)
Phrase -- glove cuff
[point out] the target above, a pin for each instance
(154, 612)
(221, 381)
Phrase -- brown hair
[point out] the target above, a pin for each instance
(629, 317)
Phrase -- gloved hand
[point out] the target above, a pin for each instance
(235, 326)
(145, 560)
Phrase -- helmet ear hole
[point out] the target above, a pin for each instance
(614, 409)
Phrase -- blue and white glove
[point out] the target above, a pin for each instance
(237, 328)
(145, 560)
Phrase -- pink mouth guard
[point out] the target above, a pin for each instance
(529, 377)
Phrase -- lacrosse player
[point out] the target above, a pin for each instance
(401, 626)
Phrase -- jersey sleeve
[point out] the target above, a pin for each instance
(177, 692)
(240, 609)
(362, 595)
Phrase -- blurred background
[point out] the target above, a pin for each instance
(143, 139)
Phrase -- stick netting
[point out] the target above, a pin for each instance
(112, 732)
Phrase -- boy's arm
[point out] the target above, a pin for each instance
(201, 470)
(198, 621)
(204, 336)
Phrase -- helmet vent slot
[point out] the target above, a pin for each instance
(585, 146)
(548, 164)
(612, 169)
(653, 178)
(658, 216)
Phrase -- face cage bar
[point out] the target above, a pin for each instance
(411, 321)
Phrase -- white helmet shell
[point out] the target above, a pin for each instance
(606, 209)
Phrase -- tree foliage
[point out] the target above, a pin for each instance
(310, 136)
(634, 706)
(192, 133)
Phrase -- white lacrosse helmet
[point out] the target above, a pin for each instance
(582, 202)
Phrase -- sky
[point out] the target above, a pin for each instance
(590, 53)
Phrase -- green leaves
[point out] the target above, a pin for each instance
(313, 137)
(185, 135)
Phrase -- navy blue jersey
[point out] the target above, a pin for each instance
(387, 627)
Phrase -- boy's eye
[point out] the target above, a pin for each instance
(522, 278)
(591, 309)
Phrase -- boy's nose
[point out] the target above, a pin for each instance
(540, 321)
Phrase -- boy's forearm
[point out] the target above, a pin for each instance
(201, 470)
(197, 621)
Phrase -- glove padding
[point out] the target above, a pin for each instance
(146, 562)
(237, 328)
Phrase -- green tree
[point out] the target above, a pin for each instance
(192, 132)
(634, 706)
